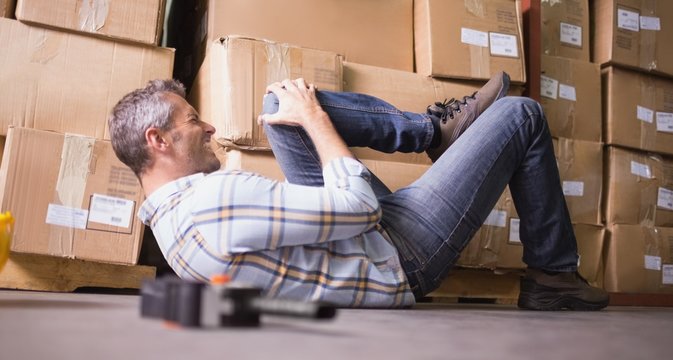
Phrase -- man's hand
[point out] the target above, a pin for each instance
(299, 106)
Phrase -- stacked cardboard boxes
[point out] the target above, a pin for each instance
(7, 8)
(63, 70)
(631, 43)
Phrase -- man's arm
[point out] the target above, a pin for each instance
(299, 106)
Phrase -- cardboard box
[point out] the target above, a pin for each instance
(469, 39)
(638, 110)
(7, 8)
(131, 20)
(370, 32)
(71, 197)
(639, 259)
(639, 188)
(580, 166)
(258, 162)
(634, 33)
(565, 28)
(230, 87)
(570, 95)
(68, 82)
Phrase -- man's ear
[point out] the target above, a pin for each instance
(155, 139)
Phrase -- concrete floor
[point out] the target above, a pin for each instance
(37, 325)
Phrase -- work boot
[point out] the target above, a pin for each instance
(542, 290)
(457, 115)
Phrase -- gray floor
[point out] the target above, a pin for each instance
(35, 325)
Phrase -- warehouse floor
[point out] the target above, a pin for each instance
(38, 325)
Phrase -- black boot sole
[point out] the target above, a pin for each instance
(538, 297)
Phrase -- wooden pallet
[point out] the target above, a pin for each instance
(478, 286)
(50, 273)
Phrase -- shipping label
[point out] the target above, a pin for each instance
(548, 87)
(474, 37)
(567, 92)
(497, 218)
(665, 122)
(503, 45)
(665, 198)
(644, 114)
(571, 34)
(642, 170)
(628, 20)
(66, 216)
(652, 262)
(650, 23)
(573, 188)
(110, 210)
(667, 274)
(514, 231)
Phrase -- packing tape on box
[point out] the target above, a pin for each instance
(65, 213)
(648, 129)
(279, 62)
(475, 7)
(93, 14)
(648, 38)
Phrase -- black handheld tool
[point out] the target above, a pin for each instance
(218, 304)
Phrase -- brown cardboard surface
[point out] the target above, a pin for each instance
(7, 8)
(622, 37)
(639, 259)
(580, 166)
(133, 20)
(565, 28)
(370, 32)
(258, 162)
(637, 110)
(71, 197)
(639, 188)
(469, 39)
(230, 87)
(68, 82)
(571, 96)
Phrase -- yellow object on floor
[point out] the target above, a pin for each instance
(6, 230)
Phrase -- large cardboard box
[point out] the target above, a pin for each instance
(639, 188)
(580, 166)
(639, 259)
(635, 33)
(132, 20)
(637, 110)
(565, 29)
(7, 8)
(230, 87)
(71, 197)
(570, 96)
(68, 82)
(365, 31)
(258, 162)
(469, 39)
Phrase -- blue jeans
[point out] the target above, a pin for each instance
(432, 220)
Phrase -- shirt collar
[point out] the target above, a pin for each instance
(152, 202)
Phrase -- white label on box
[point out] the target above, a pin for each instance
(474, 37)
(573, 188)
(514, 231)
(110, 210)
(642, 170)
(650, 23)
(652, 262)
(665, 198)
(664, 121)
(571, 34)
(644, 114)
(497, 218)
(567, 92)
(66, 216)
(503, 45)
(628, 20)
(548, 87)
(667, 274)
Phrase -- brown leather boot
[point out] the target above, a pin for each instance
(541, 290)
(457, 115)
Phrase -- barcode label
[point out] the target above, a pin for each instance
(111, 210)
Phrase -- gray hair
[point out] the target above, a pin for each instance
(136, 112)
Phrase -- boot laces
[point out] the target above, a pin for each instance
(449, 107)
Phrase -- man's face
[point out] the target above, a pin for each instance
(190, 138)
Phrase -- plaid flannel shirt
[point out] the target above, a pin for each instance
(293, 241)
